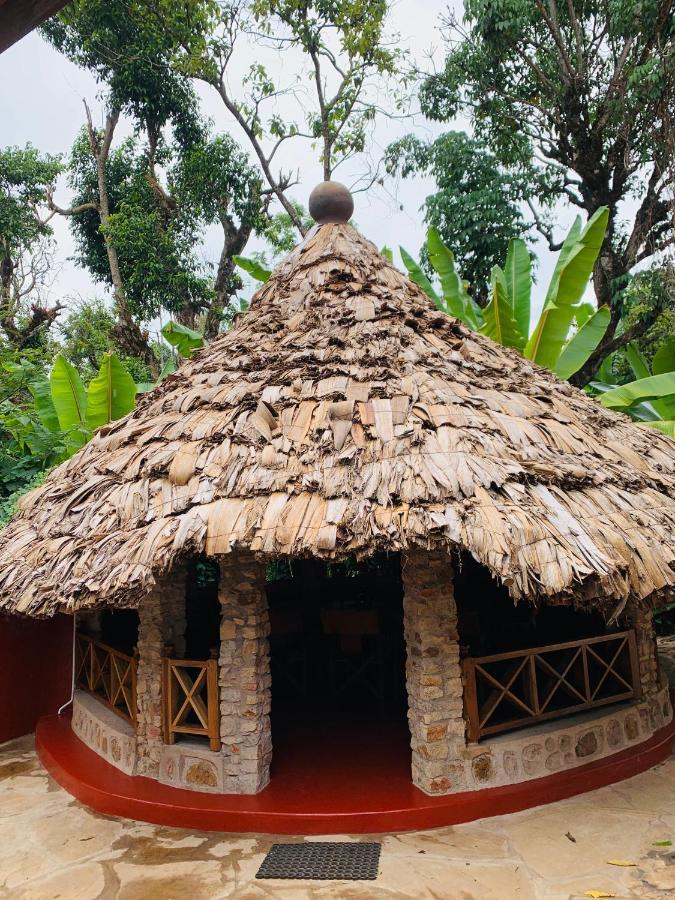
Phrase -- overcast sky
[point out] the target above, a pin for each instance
(41, 103)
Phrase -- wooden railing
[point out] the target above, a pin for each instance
(511, 690)
(191, 702)
(108, 674)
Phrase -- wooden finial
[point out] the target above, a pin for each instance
(331, 203)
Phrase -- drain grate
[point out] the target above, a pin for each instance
(320, 860)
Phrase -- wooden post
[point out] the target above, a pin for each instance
(167, 698)
(213, 702)
(471, 699)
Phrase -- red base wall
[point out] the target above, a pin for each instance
(35, 671)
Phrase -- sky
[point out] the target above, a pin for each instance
(41, 102)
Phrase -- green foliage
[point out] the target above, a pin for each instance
(581, 93)
(253, 267)
(155, 241)
(26, 176)
(476, 206)
(111, 395)
(566, 289)
(121, 45)
(648, 295)
(184, 339)
(87, 333)
(514, 69)
(567, 331)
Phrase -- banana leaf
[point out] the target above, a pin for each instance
(111, 394)
(457, 301)
(184, 339)
(254, 269)
(577, 350)
(68, 395)
(417, 275)
(656, 387)
(563, 298)
(500, 324)
(44, 405)
(666, 426)
(636, 360)
(518, 274)
(577, 269)
(664, 358)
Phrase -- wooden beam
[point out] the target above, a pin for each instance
(19, 17)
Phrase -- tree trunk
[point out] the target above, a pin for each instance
(126, 333)
(234, 242)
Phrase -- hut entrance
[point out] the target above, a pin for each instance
(337, 655)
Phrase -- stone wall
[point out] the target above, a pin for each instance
(161, 621)
(564, 744)
(104, 732)
(244, 676)
(433, 672)
(641, 619)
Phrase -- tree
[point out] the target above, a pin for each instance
(648, 294)
(344, 48)
(26, 178)
(155, 227)
(587, 89)
(213, 182)
(476, 207)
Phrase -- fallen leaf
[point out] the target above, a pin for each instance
(598, 894)
(620, 862)
(570, 837)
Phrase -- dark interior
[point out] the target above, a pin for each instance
(337, 648)
(490, 622)
(202, 609)
(119, 629)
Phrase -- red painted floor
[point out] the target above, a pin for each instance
(324, 781)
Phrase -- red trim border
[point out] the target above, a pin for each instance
(100, 786)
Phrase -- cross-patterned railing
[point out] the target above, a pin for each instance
(511, 690)
(191, 702)
(108, 674)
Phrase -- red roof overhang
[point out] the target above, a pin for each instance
(18, 17)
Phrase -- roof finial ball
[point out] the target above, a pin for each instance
(331, 203)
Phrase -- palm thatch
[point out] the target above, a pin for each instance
(344, 415)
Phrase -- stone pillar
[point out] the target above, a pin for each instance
(161, 620)
(641, 620)
(433, 672)
(244, 674)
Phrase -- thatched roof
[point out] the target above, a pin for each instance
(343, 414)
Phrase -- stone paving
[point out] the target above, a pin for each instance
(53, 848)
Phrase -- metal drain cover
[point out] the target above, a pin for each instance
(321, 860)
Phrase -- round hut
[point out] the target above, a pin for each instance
(350, 524)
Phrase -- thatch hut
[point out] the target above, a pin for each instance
(346, 433)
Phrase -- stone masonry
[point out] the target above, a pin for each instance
(245, 680)
(161, 621)
(433, 672)
(641, 619)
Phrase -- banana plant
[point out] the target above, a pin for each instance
(650, 398)
(184, 339)
(567, 331)
(63, 404)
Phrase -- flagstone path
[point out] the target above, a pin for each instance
(53, 847)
